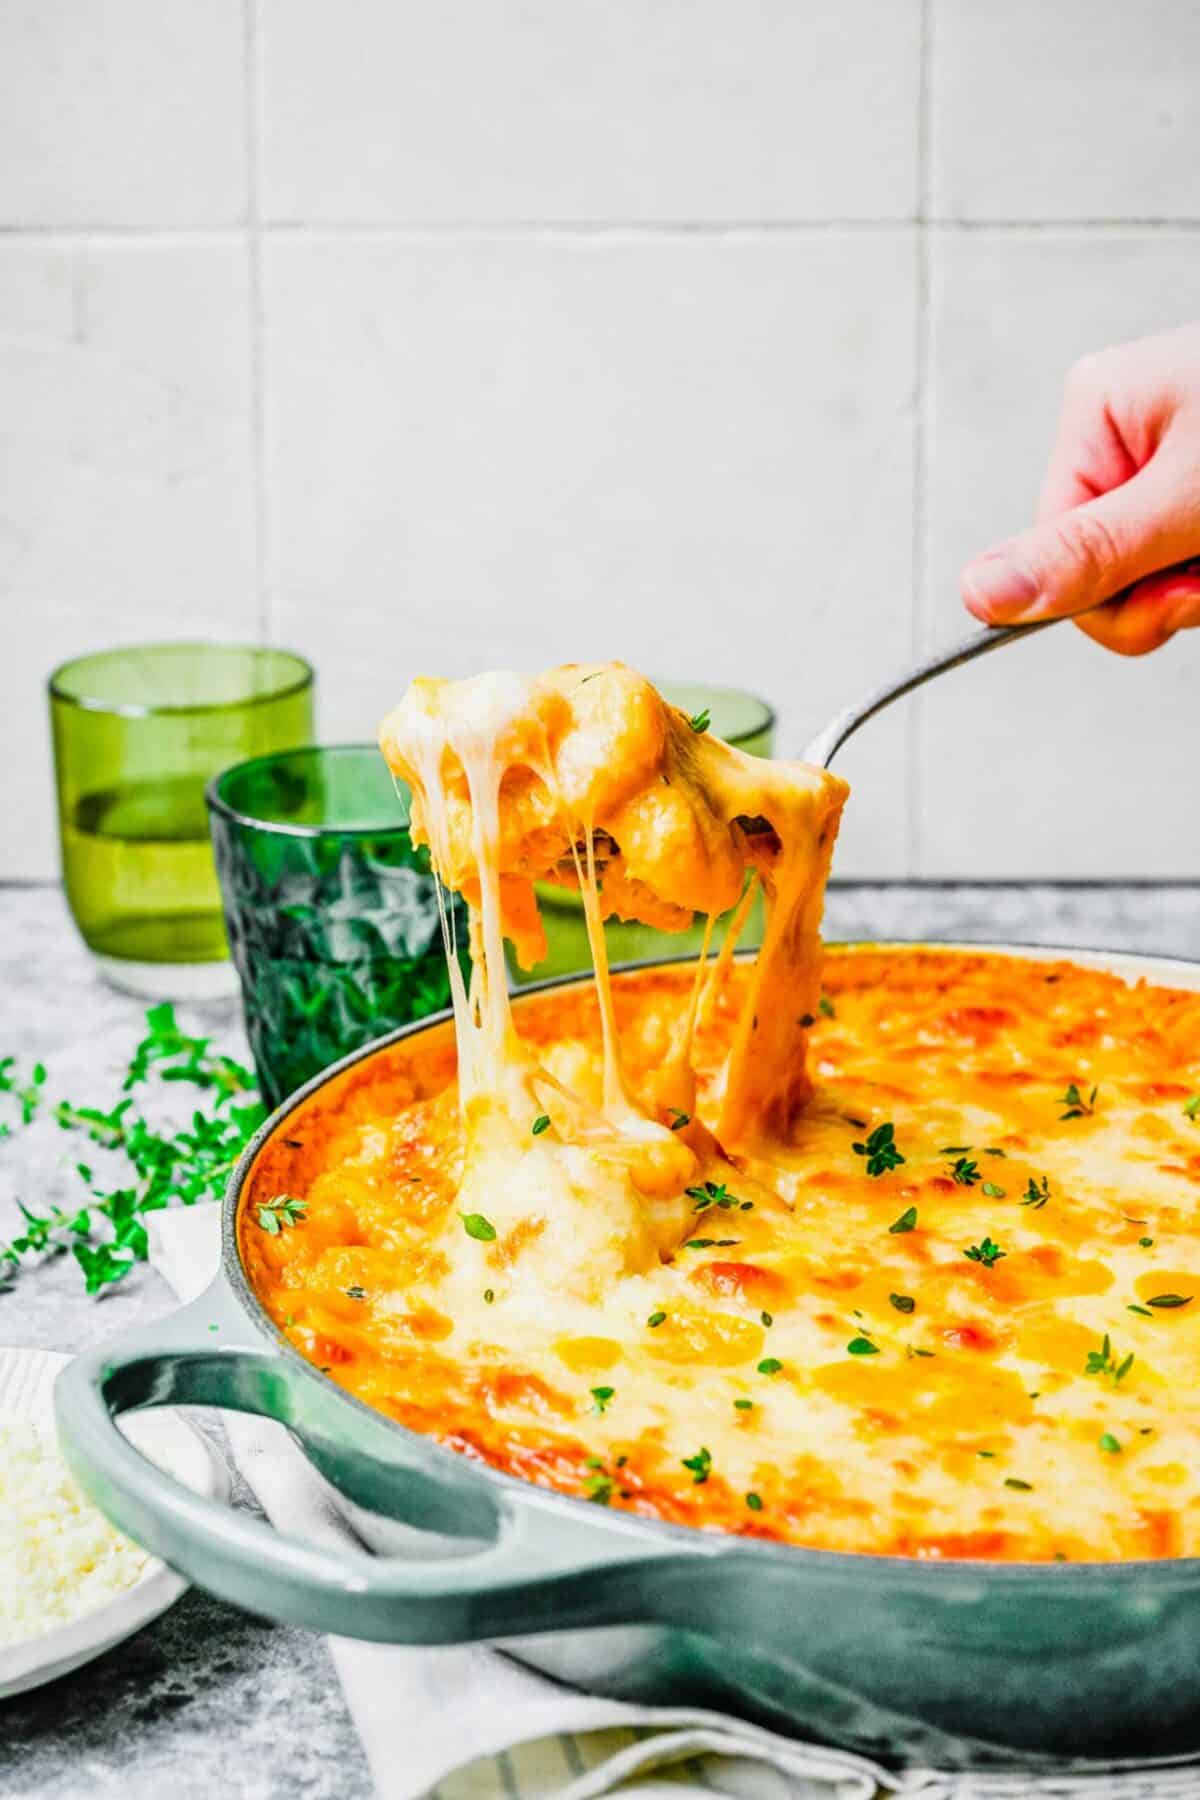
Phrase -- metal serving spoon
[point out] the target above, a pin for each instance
(828, 742)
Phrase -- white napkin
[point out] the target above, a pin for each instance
(467, 1723)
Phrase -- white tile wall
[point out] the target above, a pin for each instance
(527, 450)
(126, 476)
(595, 110)
(1053, 757)
(1065, 109)
(715, 337)
(122, 112)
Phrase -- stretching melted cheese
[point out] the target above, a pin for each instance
(516, 779)
(586, 775)
(995, 1413)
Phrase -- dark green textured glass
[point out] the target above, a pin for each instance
(330, 909)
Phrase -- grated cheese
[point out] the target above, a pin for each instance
(59, 1557)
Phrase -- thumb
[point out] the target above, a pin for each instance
(1090, 553)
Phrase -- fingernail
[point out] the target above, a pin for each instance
(998, 588)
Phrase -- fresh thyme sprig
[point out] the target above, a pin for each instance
(1105, 1362)
(880, 1149)
(1077, 1106)
(285, 1210)
(987, 1253)
(107, 1234)
(27, 1094)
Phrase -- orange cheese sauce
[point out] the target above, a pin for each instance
(820, 1360)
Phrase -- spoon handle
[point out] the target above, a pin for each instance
(829, 741)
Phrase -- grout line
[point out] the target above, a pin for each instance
(1023, 883)
(417, 230)
(148, 235)
(1003, 227)
(263, 545)
(577, 230)
(567, 231)
(716, 227)
(919, 545)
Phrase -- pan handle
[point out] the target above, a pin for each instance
(524, 1552)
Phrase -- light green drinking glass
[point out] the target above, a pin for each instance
(138, 732)
(742, 720)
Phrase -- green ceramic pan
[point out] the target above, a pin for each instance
(954, 1663)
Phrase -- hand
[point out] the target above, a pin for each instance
(1120, 502)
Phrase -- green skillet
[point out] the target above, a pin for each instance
(965, 1664)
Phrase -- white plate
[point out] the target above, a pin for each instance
(27, 1387)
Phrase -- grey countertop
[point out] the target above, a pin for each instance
(209, 1700)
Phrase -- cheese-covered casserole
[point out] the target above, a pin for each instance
(897, 1258)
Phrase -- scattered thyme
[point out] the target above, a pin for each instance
(678, 1119)
(880, 1150)
(715, 1193)
(107, 1234)
(903, 1303)
(540, 1124)
(744, 1405)
(992, 1191)
(826, 1008)
(1104, 1362)
(965, 1171)
(283, 1210)
(601, 1397)
(770, 1365)
(1109, 1444)
(906, 1222)
(1169, 1301)
(1191, 1108)
(489, 1294)
(598, 1485)
(862, 1346)
(655, 1320)
(987, 1253)
(476, 1226)
(700, 722)
(1036, 1196)
(754, 1502)
(767, 1318)
(1077, 1107)
(700, 1465)
(28, 1094)
(356, 1292)
(1023, 1487)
